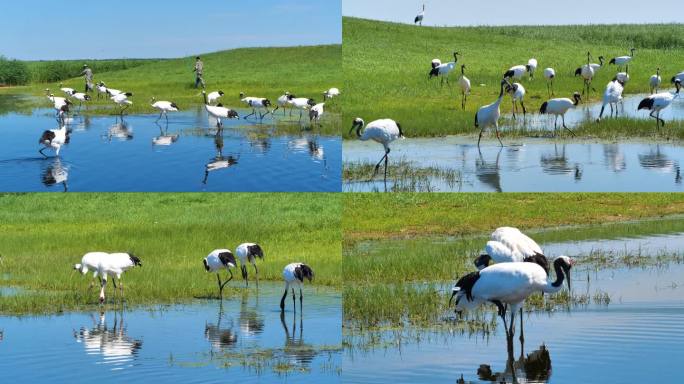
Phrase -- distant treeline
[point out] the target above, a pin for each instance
(16, 72)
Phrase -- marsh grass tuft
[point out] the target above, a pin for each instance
(403, 176)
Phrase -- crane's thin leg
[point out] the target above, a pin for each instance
(522, 337)
(555, 125)
(41, 152)
(377, 166)
(570, 130)
(251, 114)
(301, 300)
(386, 160)
(480, 137)
(167, 118)
(256, 272)
(282, 300)
(523, 108)
(294, 300)
(498, 136)
(218, 277)
(513, 110)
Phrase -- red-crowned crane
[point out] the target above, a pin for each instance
(558, 107)
(654, 81)
(248, 253)
(419, 17)
(509, 284)
(294, 275)
(659, 101)
(549, 75)
(464, 83)
(622, 60)
(488, 115)
(164, 107)
(217, 260)
(383, 131)
(55, 139)
(517, 92)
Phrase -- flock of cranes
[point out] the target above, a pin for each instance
(520, 270)
(385, 131)
(56, 138)
(104, 265)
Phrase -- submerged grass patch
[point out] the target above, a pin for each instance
(42, 236)
(403, 175)
(403, 92)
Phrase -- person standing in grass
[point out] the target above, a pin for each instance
(88, 75)
(199, 72)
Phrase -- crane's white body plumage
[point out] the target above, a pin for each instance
(558, 107)
(612, 96)
(331, 93)
(509, 245)
(532, 66)
(488, 115)
(213, 97)
(516, 72)
(659, 101)
(464, 84)
(654, 81)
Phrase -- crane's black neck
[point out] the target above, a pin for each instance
(560, 274)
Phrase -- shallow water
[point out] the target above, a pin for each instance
(139, 154)
(590, 112)
(537, 166)
(635, 338)
(243, 340)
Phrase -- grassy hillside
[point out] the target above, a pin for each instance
(263, 72)
(386, 67)
(42, 236)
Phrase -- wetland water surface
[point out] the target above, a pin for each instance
(537, 166)
(637, 337)
(243, 340)
(138, 154)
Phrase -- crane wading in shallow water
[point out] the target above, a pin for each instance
(217, 260)
(294, 275)
(383, 131)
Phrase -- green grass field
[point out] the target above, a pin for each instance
(305, 71)
(42, 236)
(386, 68)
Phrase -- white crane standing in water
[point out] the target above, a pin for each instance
(294, 275)
(248, 253)
(164, 107)
(558, 107)
(383, 131)
(508, 284)
(217, 260)
(659, 101)
(488, 115)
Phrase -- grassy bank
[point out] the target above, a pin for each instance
(386, 67)
(42, 236)
(412, 215)
(262, 72)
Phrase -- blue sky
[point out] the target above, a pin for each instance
(519, 12)
(70, 29)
